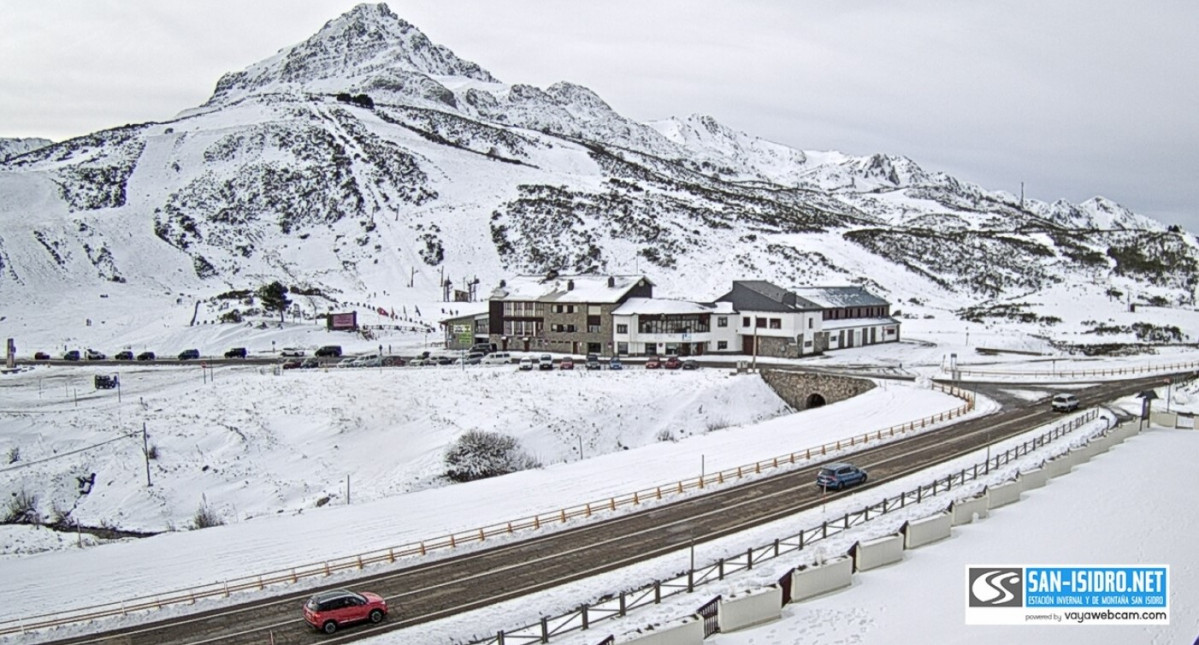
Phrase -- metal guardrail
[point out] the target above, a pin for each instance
(389, 555)
(619, 604)
(1121, 371)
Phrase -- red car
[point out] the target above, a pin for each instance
(328, 610)
(653, 363)
(566, 364)
(672, 363)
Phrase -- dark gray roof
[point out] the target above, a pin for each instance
(760, 295)
(835, 297)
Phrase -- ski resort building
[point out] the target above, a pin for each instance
(617, 315)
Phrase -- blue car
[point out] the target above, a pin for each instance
(839, 475)
(615, 364)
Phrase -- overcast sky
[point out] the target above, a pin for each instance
(1075, 98)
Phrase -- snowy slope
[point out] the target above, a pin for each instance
(454, 175)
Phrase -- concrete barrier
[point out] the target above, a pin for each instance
(964, 510)
(1080, 456)
(689, 631)
(816, 580)
(871, 554)
(1003, 494)
(917, 533)
(1034, 479)
(756, 607)
(1094, 448)
(1128, 430)
(1167, 419)
(1060, 466)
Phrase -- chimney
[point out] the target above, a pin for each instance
(611, 282)
(503, 283)
(570, 285)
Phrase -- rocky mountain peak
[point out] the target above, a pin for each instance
(367, 42)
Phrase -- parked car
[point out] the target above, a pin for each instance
(567, 363)
(369, 360)
(839, 475)
(329, 610)
(527, 363)
(106, 382)
(124, 355)
(690, 364)
(72, 355)
(672, 363)
(146, 356)
(348, 361)
(1064, 403)
(189, 354)
(472, 358)
(653, 363)
(294, 352)
(615, 364)
(329, 351)
(445, 360)
(292, 363)
(236, 352)
(310, 363)
(393, 361)
(496, 358)
(545, 362)
(93, 355)
(41, 356)
(592, 362)
(483, 348)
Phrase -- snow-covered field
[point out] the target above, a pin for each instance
(277, 443)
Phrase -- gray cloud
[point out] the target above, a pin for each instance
(1074, 98)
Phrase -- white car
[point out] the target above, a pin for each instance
(527, 364)
(295, 352)
(496, 358)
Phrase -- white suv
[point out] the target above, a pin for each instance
(1064, 403)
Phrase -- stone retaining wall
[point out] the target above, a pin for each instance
(797, 388)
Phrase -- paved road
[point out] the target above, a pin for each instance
(435, 590)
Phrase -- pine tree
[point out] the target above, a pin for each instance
(274, 298)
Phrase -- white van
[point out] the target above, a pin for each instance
(496, 358)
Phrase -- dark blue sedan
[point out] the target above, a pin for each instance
(839, 475)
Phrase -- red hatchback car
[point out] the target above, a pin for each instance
(328, 610)
(653, 363)
(672, 363)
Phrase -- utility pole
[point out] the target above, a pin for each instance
(146, 454)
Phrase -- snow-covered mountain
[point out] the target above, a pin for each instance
(370, 160)
(13, 147)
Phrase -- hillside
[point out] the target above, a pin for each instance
(367, 166)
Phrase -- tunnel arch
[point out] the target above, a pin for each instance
(814, 400)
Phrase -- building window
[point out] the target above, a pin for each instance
(776, 323)
(622, 349)
(722, 321)
(722, 344)
(622, 329)
(810, 321)
(673, 324)
(760, 323)
(745, 321)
